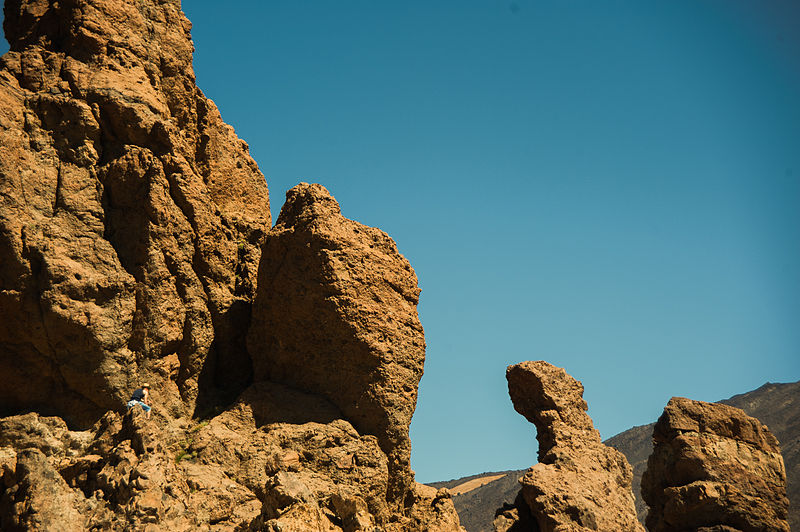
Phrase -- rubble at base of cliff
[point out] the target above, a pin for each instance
(230, 472)
(136, 246)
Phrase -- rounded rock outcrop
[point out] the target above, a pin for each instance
(714, 467)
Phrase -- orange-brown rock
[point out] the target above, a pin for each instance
(131, 228)
(315, 472)
(579, 483)
(278, 459)
(126, 473)
(131, 216)
(714, 467)
(336, 315)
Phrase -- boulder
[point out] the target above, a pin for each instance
(336, 315)
(38, 498)
(131, 215)
(714, 467)
(579, 483)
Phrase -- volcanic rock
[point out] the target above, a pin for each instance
(245, 469)
(336, 315)
(714, 467)
(125, 475)
(131, 216)
(38, 498)
(579, 483)
(131, 228)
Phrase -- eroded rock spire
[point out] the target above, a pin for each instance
(579, 483)
(336, 315)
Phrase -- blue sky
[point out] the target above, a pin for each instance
(609, 186)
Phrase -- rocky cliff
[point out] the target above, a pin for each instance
(714, 467)
(131, 216)
(134, 238)
(579, 483)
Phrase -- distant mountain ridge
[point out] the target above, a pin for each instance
(775, 404)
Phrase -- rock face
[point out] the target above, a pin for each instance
(336, 315)
(579, 483)
(132, 226)
(131, 216)
(256, 466)
(714, 468)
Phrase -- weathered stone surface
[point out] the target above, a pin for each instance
(131, 227)
(579, 483)
(131, 216)
(38, 498)
(336, 315)
(714, 467)
(126, 474)
(245, 469)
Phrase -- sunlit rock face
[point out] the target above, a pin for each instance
(131, 216)
(336, 315)
(579, 483)
(714, 467)
(132, 225)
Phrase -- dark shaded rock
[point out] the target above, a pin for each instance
(38, 498)
(714, 467)
(515, 517)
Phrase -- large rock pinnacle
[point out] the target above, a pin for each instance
(336, 315)
(714, 467)
(579, 483)
(131, 216)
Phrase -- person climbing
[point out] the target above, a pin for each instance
(141, 397)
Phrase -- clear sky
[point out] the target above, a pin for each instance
(613, 187)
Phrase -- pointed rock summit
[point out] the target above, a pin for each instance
(336, 315)
(579, 483)
(714, 467)
(131, 215)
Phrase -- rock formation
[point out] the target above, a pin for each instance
(132, 221)
(775, 404)
(256, 466)
(579, 483)
(336, 315)
(131, 216)
(714, 468)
